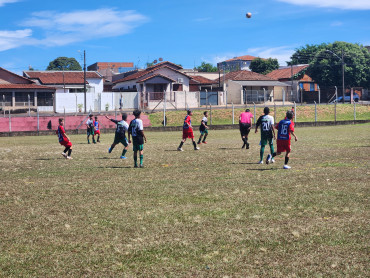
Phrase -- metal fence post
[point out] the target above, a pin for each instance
(264, 95)
(38, 121)
(29, 105)
(10, 122)
(295, 112)
(315, 112)
(210, 113)
(164, 109)
(233, 111)
(65, 124)
(254, 114)
(335, 112)
(354, 110)
(283, 96)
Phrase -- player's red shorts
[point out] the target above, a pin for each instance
(97, 132)
(283, 146)
(66, 143)
(187, 133)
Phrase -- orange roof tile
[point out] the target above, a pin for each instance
(56, 77)
(245, 75)
(197, 79)
(25, 86)
(243, 58)
(286, 73)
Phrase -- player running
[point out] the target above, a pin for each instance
(120, 135)
(285, 130)
(203, 128)
(90, 129)
(97, 129)
(136, 129)
(245, 126)
(64, 140)
(187, 132)
(267, 134)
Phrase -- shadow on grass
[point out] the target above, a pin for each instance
(175, 150)
(108, 158)
(262, 169)
(230, 148)
(115, 167)
(49, 158)
(251, 163)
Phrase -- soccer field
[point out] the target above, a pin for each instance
(208, 213)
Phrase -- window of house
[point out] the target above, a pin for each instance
(177, 87)
(312, 87)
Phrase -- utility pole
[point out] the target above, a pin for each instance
(343, 90)
(85, 80)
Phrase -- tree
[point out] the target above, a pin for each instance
(305, 54)
(206, 67)
(264, 66)
(326, 65)
(64, 63)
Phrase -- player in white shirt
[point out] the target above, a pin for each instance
(203, 128)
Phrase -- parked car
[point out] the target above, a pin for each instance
(347, 98)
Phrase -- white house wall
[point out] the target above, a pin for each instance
(234, 92)
(96, 83)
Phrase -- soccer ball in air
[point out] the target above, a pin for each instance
(248, 15)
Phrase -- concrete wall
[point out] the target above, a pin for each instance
(182, 100)
(96, 102)
(234, 92)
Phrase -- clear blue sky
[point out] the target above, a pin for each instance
(35, 32)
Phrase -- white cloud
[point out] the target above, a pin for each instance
(13, 39)
(66, 28)
(3, 2)
(340, 4)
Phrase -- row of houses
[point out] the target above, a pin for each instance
(162, 84)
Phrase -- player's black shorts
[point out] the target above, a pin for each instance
(244, 129)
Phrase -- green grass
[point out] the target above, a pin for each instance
(304, 114)
(210, 213)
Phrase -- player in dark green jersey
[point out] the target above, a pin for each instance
(267, 134)
(136, 129)
(203, 128)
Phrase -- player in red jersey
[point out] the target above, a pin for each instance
(187, 131)
(64, 140)
(285, 130)
(97, 129)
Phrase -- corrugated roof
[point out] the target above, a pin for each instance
(262, 83)
(197, 79)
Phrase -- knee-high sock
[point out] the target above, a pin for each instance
(66, 149)
(194, 144)
(205, 136)
(286, 160)
(262, 150)
(141, 159)
(182, 143)
(200, 139)
(272, 149)
(69, 152)
(124, 152)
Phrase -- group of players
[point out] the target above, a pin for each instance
(285, 128)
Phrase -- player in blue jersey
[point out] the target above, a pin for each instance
(97, 129)
(136, 129)
(285, 130)
(64, 140)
